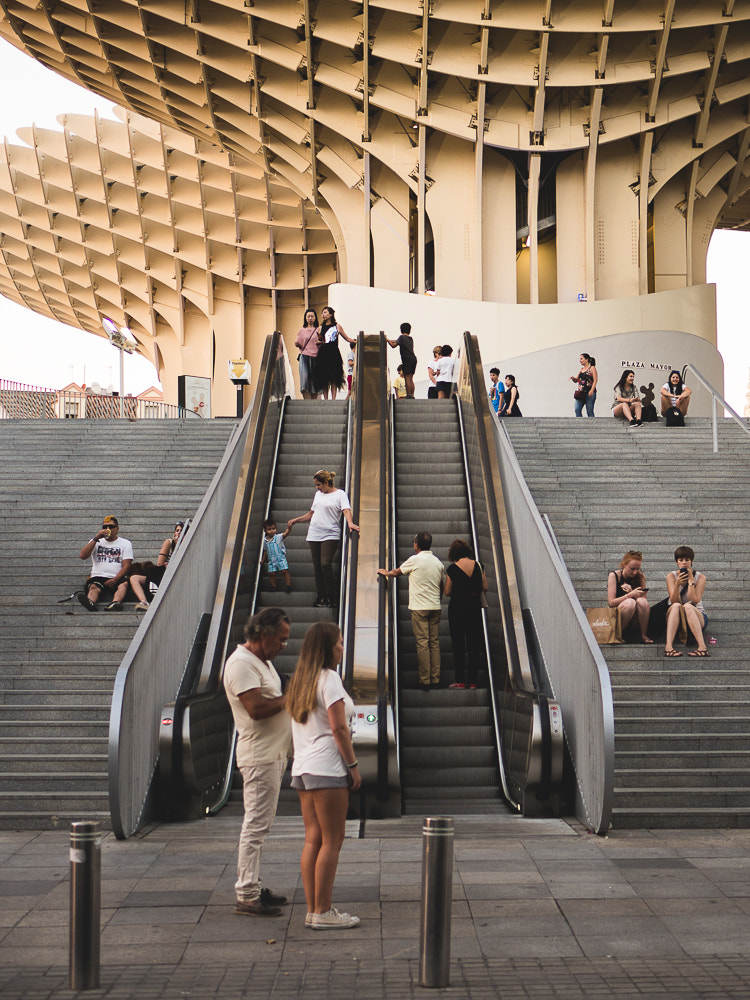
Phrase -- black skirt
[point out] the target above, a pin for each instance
(329, 368)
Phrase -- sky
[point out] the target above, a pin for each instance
(62, 354)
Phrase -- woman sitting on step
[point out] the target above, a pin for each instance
(685, 586)
(626, 590)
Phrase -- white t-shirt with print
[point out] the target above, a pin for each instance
(107, 556)
(325, 525)
(315, 748)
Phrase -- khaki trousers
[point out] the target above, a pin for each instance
(261, 784)
(426, 628)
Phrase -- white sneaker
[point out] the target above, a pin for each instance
(141, 606)
(325, 921)
(309, 919)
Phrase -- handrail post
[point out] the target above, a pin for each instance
(714, 426)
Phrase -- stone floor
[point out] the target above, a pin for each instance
(541, 908)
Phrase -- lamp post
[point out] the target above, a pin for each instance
(124, 341)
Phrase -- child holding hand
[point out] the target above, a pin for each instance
(274, 552)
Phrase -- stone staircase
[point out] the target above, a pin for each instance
(57, 661)
(682, 754)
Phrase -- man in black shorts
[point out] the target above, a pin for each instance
(111, 557)
(408, 357)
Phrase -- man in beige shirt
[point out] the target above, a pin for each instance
(426, 581)
(264, 730)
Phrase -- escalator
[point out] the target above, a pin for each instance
(448, 749)
(428, 466)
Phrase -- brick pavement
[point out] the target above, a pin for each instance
(540, 909)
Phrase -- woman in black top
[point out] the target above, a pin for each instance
(509, 406)
(464, 584)
(329, 368)
(408, 357)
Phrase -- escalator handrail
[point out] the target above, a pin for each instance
(487, 646)
(391, 551)
(236, 543)
(349, 543)
(519, 671)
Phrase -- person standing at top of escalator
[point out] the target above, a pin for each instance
(307, 344)
(405, 342)
(329, 368)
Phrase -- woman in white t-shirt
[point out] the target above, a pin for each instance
(324, 534)
(324, 769)
(675, 395)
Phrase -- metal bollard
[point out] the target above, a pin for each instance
(85, 905)
(437, 884)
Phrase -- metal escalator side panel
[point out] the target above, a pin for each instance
(530, 725)
(366, 664)
(207, 730)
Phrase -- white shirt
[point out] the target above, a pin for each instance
(315, 748)
(426, 576)
(670, 390)
(259, 741)
(325, 525)
(444, 368)
(107, 556)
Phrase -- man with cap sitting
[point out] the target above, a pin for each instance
(111, 557)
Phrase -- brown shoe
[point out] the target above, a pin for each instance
(256, 908)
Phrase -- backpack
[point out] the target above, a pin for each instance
(675, 417)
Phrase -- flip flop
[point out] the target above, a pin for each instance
(647, 641)
(702, 653)
(672, 652)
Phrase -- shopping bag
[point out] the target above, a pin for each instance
(605, 624)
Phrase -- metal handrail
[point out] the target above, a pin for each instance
(530, 723)
(485, 631)
(715, 397)
(576, 669)
(30, 403)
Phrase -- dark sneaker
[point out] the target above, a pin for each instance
(271, 898)
(114, 606)
(83, 599)
(256, 908)
(321, 603)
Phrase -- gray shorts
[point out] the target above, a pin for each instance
(311, 782)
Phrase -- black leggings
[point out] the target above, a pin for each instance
(323, 554)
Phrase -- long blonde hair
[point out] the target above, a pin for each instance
(315, 655)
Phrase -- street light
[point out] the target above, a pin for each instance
(121, 338)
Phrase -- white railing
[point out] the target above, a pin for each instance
(716, 397)
(26, 402)
(576, 670)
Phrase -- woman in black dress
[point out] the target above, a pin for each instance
(509, 406)
(465, 583)
(329, 368)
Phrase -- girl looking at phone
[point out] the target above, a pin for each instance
(685, 586)
(626, 590)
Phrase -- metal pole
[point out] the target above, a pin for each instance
(715, 425)
(85, 905)
(437, 884)
(122, 380)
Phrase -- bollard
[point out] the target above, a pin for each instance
(437, 884)
(85, 905)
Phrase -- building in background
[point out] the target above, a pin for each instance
(553, 172)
